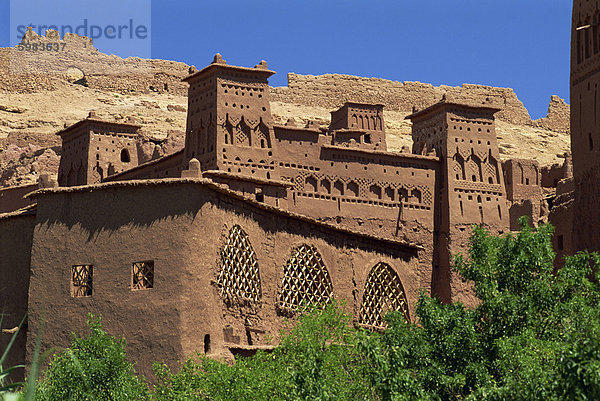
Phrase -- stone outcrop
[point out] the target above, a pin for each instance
(23, 165)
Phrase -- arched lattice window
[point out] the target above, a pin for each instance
(383, 293)
(239, 276)
(305, 279)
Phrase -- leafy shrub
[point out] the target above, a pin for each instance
(5, 385)
(316, 360)
(93, 368)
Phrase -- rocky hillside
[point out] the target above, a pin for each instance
(41, 92)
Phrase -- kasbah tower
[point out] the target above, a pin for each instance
(585, 124)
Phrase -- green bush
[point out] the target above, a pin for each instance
(5, 386)
(93, 368)
(316, 360)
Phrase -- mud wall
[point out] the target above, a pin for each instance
(16, 232)
(185, 306)
(332, 90)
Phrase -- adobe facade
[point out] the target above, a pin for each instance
(209, 248)
(585, 128)
(154, 276)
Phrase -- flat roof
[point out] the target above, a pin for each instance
(29, 210)
(244, 177)
(383, 153)
(217, 65)
(351, 131)
(70, 128)
(444, 104)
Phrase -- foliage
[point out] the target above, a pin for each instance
(535, 334)
(316, 360)
(6, 387)
(93, 368)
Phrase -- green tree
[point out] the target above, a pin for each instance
(535, 334)
(93, 368)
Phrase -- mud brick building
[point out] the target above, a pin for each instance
(581, 206)
(207, 249)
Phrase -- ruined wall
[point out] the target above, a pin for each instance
(551, 175)
(16, 232)
(522, 179)
(524, 191)
(185, 231)
(558, 117)
(332, 90)
(78, 61)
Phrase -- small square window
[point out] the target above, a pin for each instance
(81, 280)
(142, 276)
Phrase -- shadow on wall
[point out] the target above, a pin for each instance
(107, 210)
(111, 208)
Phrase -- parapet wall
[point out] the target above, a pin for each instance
(332, 90)
(558, 117)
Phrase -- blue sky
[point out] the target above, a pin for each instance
(522, 44)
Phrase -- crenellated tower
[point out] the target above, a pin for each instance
(94, 149)
(229, 122)
(359, 124)
(471, 185)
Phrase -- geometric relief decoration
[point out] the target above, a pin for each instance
(383, 293)
(492, 171)
(473, 167)
(305, 279)
(459, 166)
(242, 135)
(238, 277)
